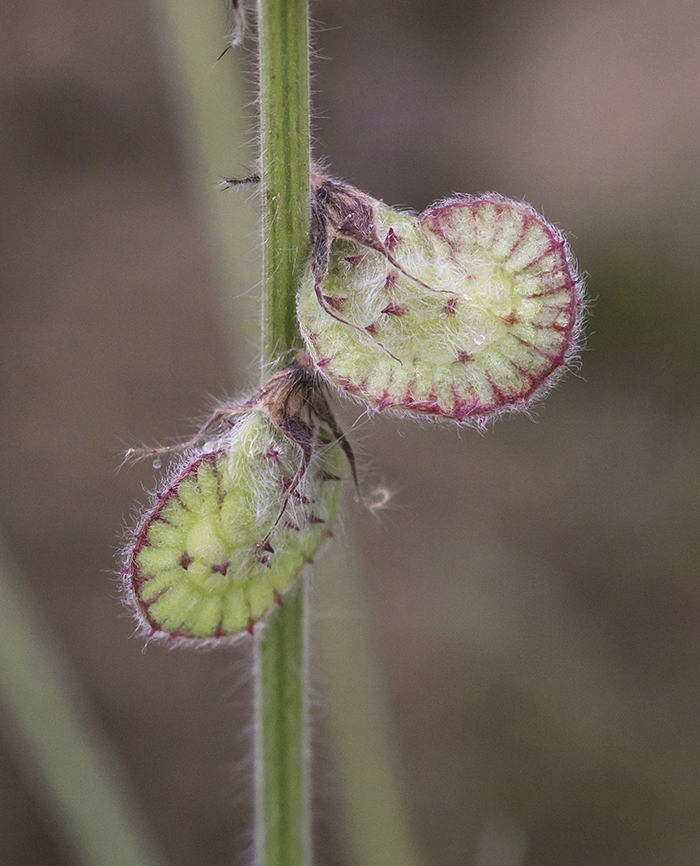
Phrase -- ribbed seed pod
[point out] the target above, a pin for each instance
(467, 310)
(238, 521)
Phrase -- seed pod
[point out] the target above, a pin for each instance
(472, 308)
(237, 522)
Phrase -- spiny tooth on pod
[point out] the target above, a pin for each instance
(236, 523)
(472, 308)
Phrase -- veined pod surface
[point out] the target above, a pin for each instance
(467, 310)
(240, 518)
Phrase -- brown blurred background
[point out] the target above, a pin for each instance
(534, 593)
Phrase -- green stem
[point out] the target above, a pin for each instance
(282, 820)
(282, 815)
(284, 129)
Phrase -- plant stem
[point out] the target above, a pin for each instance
(282, 819)
(282, 814)
(284, 129)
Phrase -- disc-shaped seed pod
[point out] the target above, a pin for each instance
(230, 531)
(472, 308)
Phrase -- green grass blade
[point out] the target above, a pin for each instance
(76, 775)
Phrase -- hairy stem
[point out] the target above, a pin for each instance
(284, 126)
(282, 815)
(282, 821)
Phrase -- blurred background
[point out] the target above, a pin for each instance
(531, 596)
